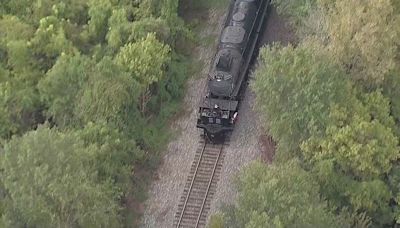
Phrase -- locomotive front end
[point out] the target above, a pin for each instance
(217, 117)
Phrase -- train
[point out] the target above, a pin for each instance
(228, 74)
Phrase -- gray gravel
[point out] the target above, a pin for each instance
(165, 192)
(246, 142)
(245, 145)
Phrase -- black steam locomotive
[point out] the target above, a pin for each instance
(228, 73)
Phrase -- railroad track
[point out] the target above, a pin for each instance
(201, 186)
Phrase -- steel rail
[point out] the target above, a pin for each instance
(191, 184)
(209, 185)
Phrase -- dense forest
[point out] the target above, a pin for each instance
(86, 90)
(331, 101)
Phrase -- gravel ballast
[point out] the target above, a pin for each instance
(245, 144)
(166, 191)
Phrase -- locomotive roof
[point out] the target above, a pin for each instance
(233, 34)
(233, 53)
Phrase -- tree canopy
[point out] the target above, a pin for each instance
(280, 196)
(50, 183)
(331, 102)
(295, 89)
(368, 45)
(76, 78)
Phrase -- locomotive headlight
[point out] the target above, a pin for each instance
(234, 117)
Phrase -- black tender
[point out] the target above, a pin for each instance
(228, 73)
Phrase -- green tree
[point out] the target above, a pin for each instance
(140, 29)
(298, 11)
(362, 147)
(12, 29)
(354, 151)
(118, 31)
(7, 127)
(367, 46)
(109, 95)
(73, 11)
(281, 195)
(145, 60)
(50, 183)
(359, 147)
(61, 87)
(50, 42)
(295, 88)
(396, 5)
(103, 72)
(115, 155)
(99, 13)
(20, 96)
(390, 89)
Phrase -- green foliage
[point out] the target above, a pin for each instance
(50, 42)
(118, 29)
(116, 152)
(140, 29)
(61, 87)
(207, 4)
(359, 147)
(22, 77)
(280, 196)
(7, 127)
(352, 148)
(108, 95)
(50, 182)
(296, 10)
(390, 89)
(360, 141)
(99, 12)
(89, 67)
(19, 96)
(170, 88)
(396, 6)
(216, 221)
(295, 89)
(369, 195)
(12, 28)
(367, 47)
(19, 55)
(144, 59)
